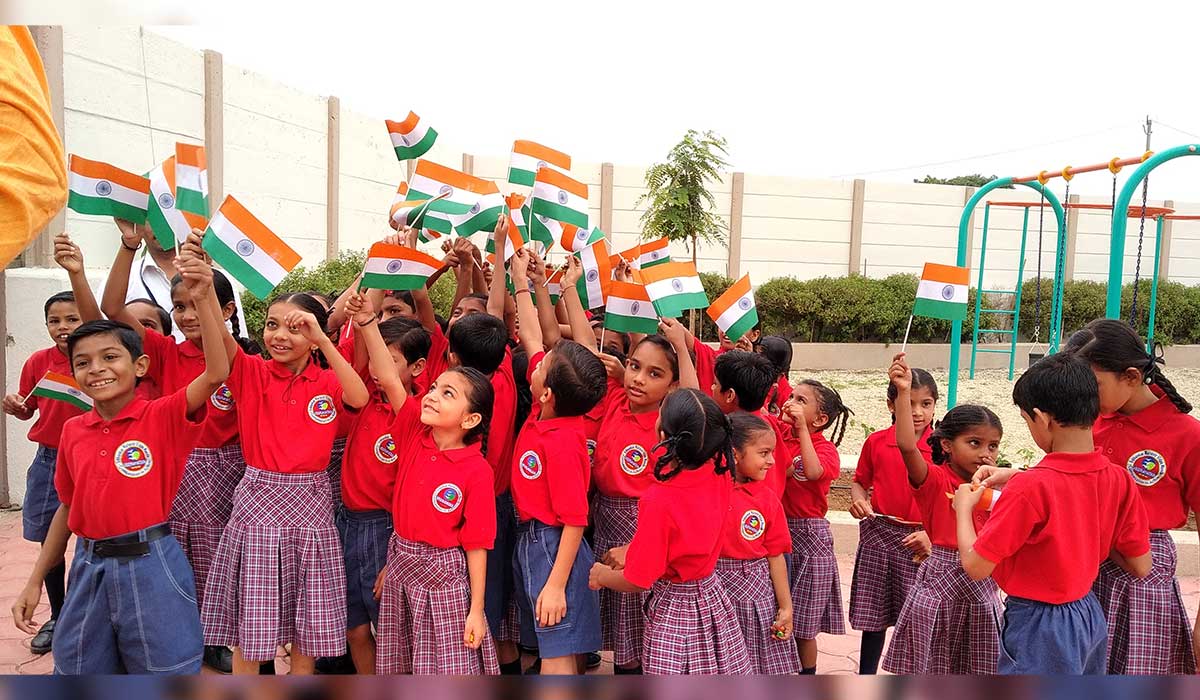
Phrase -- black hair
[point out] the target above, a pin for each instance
(749, 374)
(320, 296)
(55, 299)
(779, 351)
(128, 337)
(404, 296)
(745, 426)
(164, 318)
(665, 345)
(408, 336)
(829, 402)
(476, 295)
(442, 323)
(520, 363)
(305, 302)
(921, 379)
(480, 397)
(1114, 347)
(695, 431)
(224, 291)
(1063, 386)
(479, 341)
(598, 319)
(956, 422)
(577, 377)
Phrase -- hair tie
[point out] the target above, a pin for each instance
(1154, 363)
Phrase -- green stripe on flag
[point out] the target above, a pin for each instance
(191, 201)
(540, 233)
(236, 265)
(419, 148)
(401, 283)
(660, 261)
(936, 308)
(101, 206)
(445, 205)
(673, 306)
(743, 325)
(76, 401)
(558, 212)
(521, 177)
(483, 221)
(630, 324)
(159, 225)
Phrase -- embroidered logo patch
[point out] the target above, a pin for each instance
(133, 459)
(798, 463)
(530, 465)
(447, 498)
(385, 449)
(591, 447)
(222, 398)
(634, 460)
(1146, 467)
(753, 525)
(321, 409)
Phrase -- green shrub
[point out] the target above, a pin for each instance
(330, 277)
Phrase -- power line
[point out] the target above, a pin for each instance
(1175, 128)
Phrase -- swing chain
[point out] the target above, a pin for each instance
(1137, 270)
(1037, 314)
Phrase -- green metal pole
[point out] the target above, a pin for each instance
(1012, 339)
(1154, 286)
(987, 212)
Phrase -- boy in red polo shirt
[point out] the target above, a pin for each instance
(1033, 544)
(131, 606)
(741, 382)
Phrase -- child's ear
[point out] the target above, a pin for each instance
(547, 395)
(416, 368)
(452, 358)
(946, 445)
(1132, 376)
(141, 366)
(471, 420)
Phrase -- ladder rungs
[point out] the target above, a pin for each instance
(998, 352)
(999, 291)
(996, 330)
(1010, 312)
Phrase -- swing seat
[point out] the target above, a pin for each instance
(1034, 357)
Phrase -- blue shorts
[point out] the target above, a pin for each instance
(579, 630)
(364, 536)
(1046, 639)
(499, 589)
(130, 614)
(41, 498)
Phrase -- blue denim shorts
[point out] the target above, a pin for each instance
(364, 538)
(1039, 638)
(499, 589)
(579, 630)
(41, 498)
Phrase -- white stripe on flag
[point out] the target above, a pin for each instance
(253, 255)
(87, 187)
(942, 291)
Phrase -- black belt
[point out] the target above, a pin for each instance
(131, 545)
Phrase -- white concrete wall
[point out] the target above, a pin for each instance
(793, 227)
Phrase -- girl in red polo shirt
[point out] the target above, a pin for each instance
(949, 623)
(891, 543)
(1144, 427)
(691, 626)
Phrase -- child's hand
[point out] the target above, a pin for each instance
(462, 248)
(572, 271)
(306, 325)
(675, 332)
(792, 413)
(14, 405)
(193, 246)
(991, 476)
(197, 275)
(966, 497)
(537, 268)
(359, 309)
(474, 630)
(67, 254)
(518, 268)
(744, 343)
(377, 589)
(781, 629)
(613, 366)
(551, 606)
(615, 557)
(597, 574)
(131, 233)
(23, 607)
(451, 259)
(408, 236)
(899, 373)
(861, 509)
(624, 271)
(918, 543)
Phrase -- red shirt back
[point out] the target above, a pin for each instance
(680, 522)
(624, 463)
(810, 499)
(173, 366)
(51, 414)
(1034, 535)
(502, 430)
(1160, 448)
(443, 498)
(550, 471)
(122, 475)
(755, 526)
(881, 470)
(937, 511)
(369, 464)
(706, 366)
(777, 476)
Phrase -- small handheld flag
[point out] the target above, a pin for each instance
(574, 238)
(483, 214)
(459, 193)
(942, 292)
(597, 275)
(170, 224)
(554, 286)
(652, 253)
(397, 268)
(412, 138)
(247, 249)
(673, 287)
(106, 190)
(734, 311)
(629, 309)
(60, 387)
(560, 197)
(528, 156)
(191, 181)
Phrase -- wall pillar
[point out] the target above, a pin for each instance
(858, 199)
(1072, 233)
(332, 176)
(1164, 260)
(737, 189)
(606, 198)
(214, 126)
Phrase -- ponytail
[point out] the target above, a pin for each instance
(695, 431)
(829, 401)
(1114, 346)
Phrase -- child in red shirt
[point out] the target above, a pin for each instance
(1144, 427)
(752, 566)
(741, 383)
(1033, 542)
(891, 543)
(691, 626)
(948, 624)
(779, 351)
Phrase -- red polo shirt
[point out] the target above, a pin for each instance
(369, 464)
(592, 420)
(679, 528)
(51, 414)
(1160, 448)
(937, 511)
(121, 476)
(881, 470)
(706, 365)
(1034, 535)
(444, 499)
(624, 462)
(435, 362)
(550, 471)
(287, 421)
(755, 526)
(777, 476)
(502, 430)
(173, 366)
(810, 499)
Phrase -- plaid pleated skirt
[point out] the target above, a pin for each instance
(278, 576)
(691, 628)
(950, 625)
(748, 585)
(815, 582)
(622, 616)
(884, 573)
(203, 504)
(1148, 628)
(334, 470)
(423, 612)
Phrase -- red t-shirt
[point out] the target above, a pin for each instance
(443, 498)
(706, 366)
(173, 366)
(1034, 535)
(435, 363)
(937, 511)
(121, 476)
(502, 430)
(777, 476)
(369, 464)
(680, 522)
(810, 499)
(550, 471)
(51, 414)
(1160, 448)
(592, 420)
(287, 421)
(624, 463)
(755, 526)
(881, 470)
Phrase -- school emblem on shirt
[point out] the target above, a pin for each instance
(591, 447)
(530, 465)
(222, 398)
(385, 449)
(133, 459)
(321, 409)
(753, 525)
(798, 465)
(447, 498)
(1146, 467)
(634, 460)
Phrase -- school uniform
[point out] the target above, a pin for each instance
(949, 624)
(884, 570)
(443, 505)
(1148, 627)
(623, 470)
(691, 626)
(499, 596)
(278, 575)
(41, 499)
(435, 363)
(777, 477)
(131, 605)
(756, 528)
(345, 421)
(816, 585)
(706, 365)
(1046, 562)
(779, 395)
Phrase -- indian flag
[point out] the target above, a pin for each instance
(483, 214)
(458, 192)
(191, 180)
(734, 311)
(247, 249)
(408, 214)
(397, 267)
(411, 138)
(559, 197)
(517, 209)
(629, 309)
(574, 238)
(554, 286)
(528, 157)
(653, 253)
(511, 244)
(543, 229)
(170, 224)
(674, 287)
(60, 387)
(106, 190)
(597, 275)
(942, 292)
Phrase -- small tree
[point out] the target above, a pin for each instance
(679, 205)
(975, 180)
